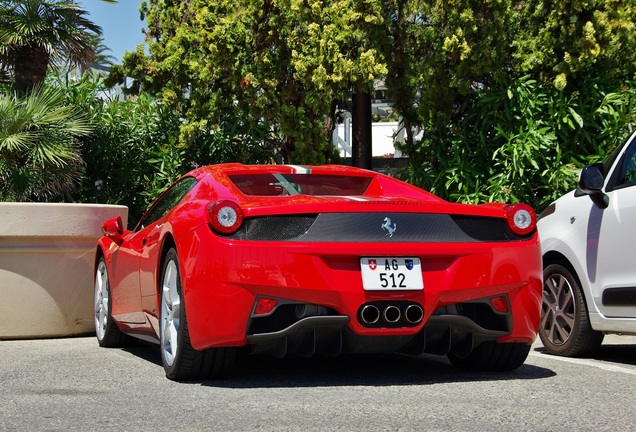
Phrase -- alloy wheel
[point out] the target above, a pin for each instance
(558, 309)
(102, 298)
(170, 312)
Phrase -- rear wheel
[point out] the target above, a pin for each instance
(492, 357)
(108, 334)
(180, 360)
(565, 325)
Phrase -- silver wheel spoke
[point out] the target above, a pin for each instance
(101, 300)
(551, 284)
(564, 297)
(547, 319)
(558, 309)
(553, 334)
(170, 312)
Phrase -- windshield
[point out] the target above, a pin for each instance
(293, 184)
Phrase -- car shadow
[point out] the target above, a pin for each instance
(256, 371)
(145, 350)
(625, 354)
(615, 353)
(359, 370)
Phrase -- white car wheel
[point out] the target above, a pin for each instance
(564, 327)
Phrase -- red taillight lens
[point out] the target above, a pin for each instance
(225, 216)
(500, 304)
(522, 219)
(265, 305)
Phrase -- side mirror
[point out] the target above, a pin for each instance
(591, 182)
(114, 229)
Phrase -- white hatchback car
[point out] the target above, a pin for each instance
(587, 240)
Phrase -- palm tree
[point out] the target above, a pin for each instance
(40, 158)
(102, 56)
(38, 34)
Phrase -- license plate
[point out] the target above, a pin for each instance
(391, 273)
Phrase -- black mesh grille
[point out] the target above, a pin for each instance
(274, 228)
(374, 227)
(369, 227)
(486, 229)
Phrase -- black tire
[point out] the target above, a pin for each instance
(180, 361)
(106, 330)
(565, 328)
(492, 357)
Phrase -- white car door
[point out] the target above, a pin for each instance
(611, 243)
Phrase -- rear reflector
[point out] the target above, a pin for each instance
(500, 304)
(265, 306)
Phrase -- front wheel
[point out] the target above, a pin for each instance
(565, 326)
(180, 360)
(492, 357)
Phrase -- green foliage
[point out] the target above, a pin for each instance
(285, 64)
(134, 152)
(511, 96)
(102, 56)
(491, 133)
(40, 157)
(439, 51)
(564, 42)
(524, 142)
(117, 154)
(37, 34)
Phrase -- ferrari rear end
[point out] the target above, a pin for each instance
(283, 271)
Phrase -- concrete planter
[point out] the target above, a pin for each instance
(47, 254)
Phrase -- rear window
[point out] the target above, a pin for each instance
(293, 184)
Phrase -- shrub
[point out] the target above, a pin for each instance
(40, 158)
(118, 155)
(134, 152)
(524, 142)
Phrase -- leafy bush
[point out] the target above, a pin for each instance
(117, 153)
(134, 152)
(524, 141)
(40, 159)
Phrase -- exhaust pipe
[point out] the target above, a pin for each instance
(370, 314)
(392, 314)
(414, 314)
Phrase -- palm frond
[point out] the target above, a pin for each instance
(46, 33)
(39, 144)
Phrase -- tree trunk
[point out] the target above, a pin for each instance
(30, 66)
(361, 116)
(329, 123)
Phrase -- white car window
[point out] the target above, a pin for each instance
(627, 169)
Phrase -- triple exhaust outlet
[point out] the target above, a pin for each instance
(380, 314)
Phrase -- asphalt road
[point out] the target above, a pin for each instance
(73, 385)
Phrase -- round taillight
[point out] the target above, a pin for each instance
(522, 219)
(225, 216)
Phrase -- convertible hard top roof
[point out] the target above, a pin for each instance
(237, 168)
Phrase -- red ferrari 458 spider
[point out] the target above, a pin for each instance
(280, 259)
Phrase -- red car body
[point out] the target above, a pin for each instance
(286, 277)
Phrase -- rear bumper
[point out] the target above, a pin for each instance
(223, 278)
(330, 334)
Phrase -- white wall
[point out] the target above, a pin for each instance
(382, 137)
